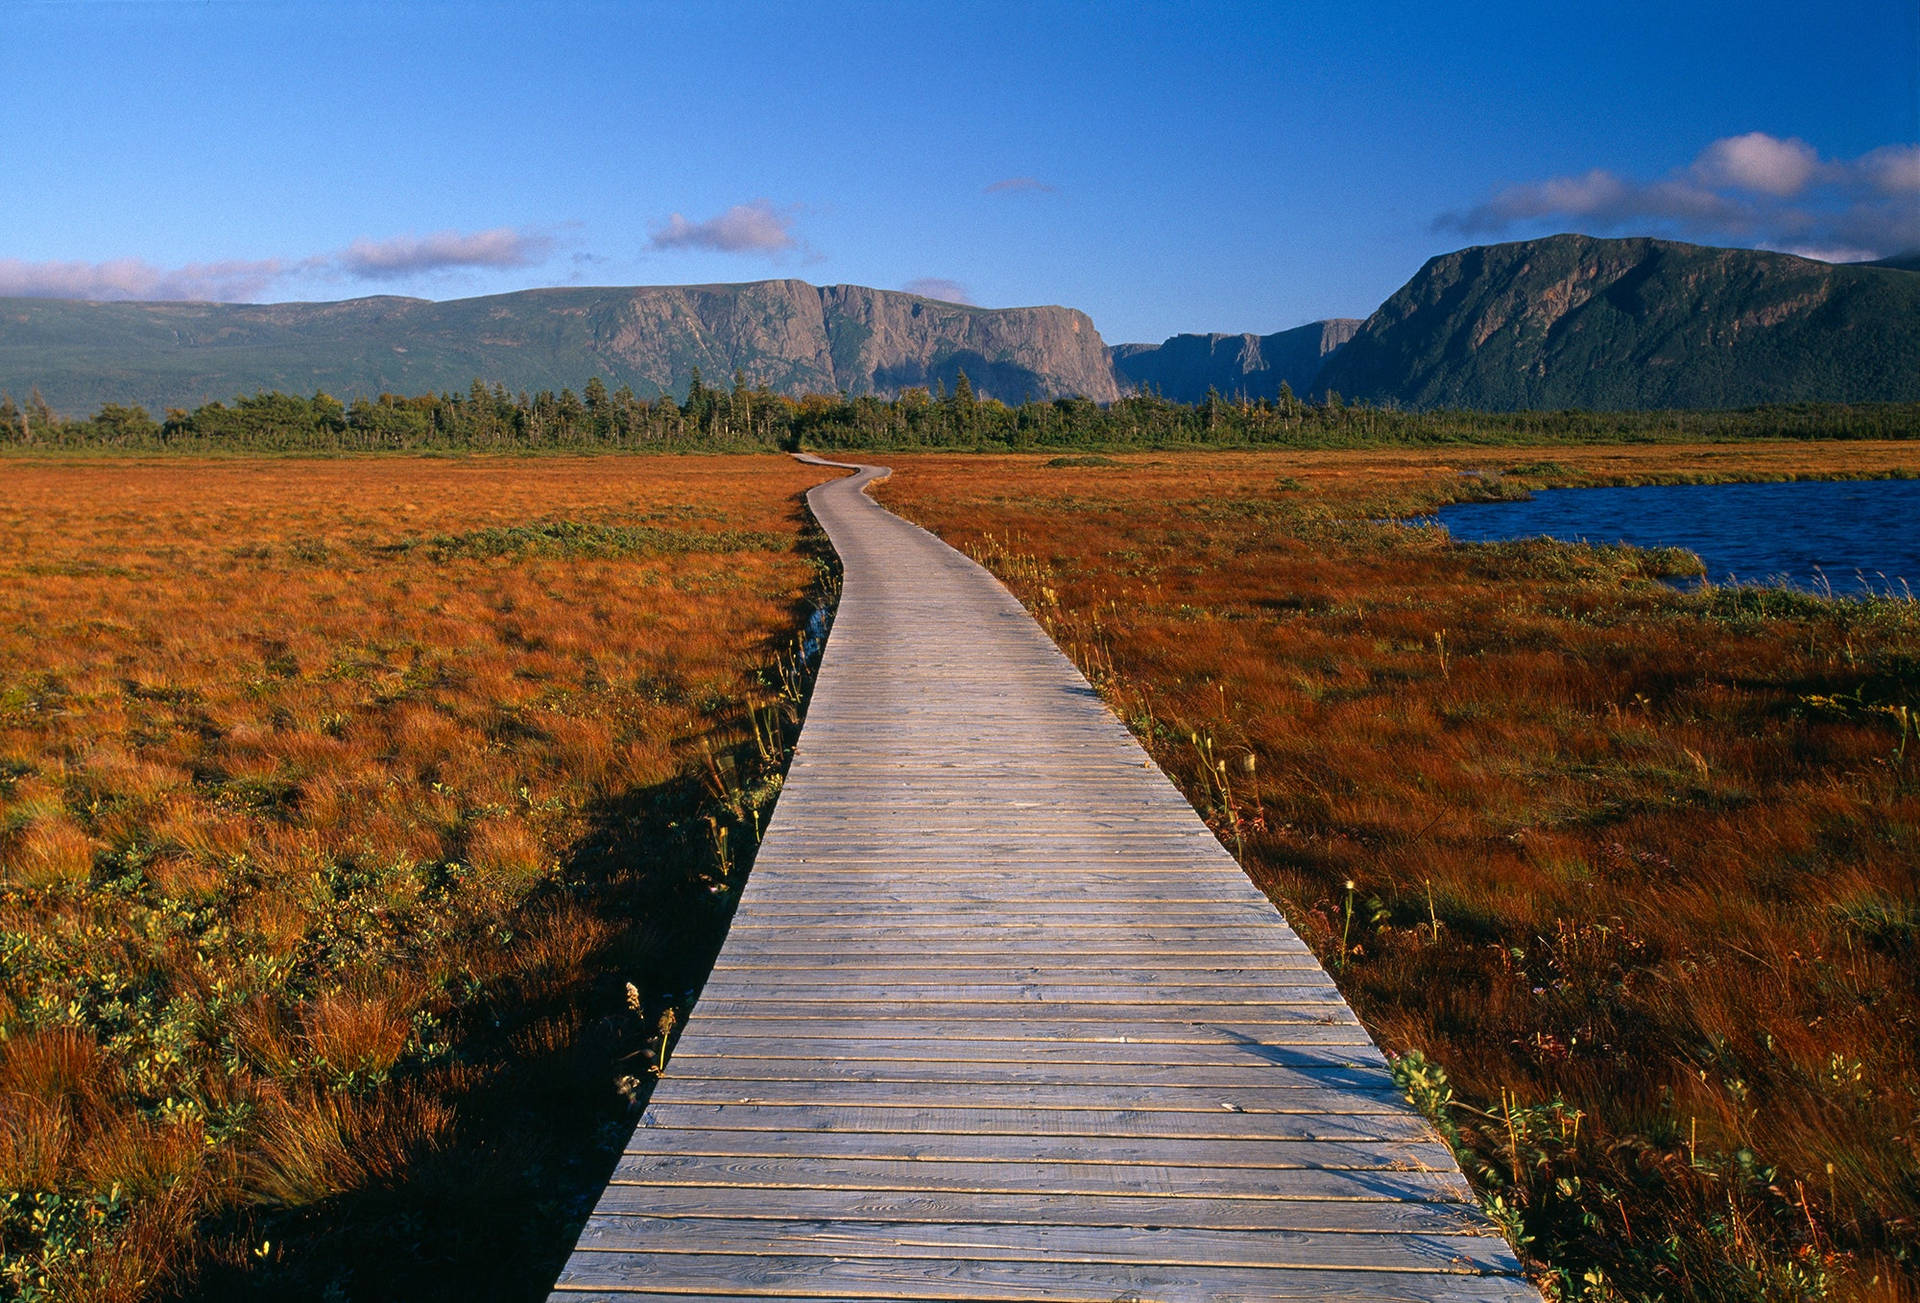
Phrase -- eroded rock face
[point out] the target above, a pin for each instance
(884, 342)
(1184, 367)
(1573, 321)
(793, 337)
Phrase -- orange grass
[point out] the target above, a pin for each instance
(338, 806)
(1635, 874)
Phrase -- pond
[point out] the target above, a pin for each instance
(1852, 537)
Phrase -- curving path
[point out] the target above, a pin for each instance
(999, 1019)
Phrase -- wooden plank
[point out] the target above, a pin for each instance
(699, 1050)
(1147, 1245)
(802, 1174)
(1092, 1120)
(826, 969)
(979, 1281)
(1146, 931)
(765, 987)
(1044, 1026)
(1056, 1072)
(1263, 1153)
(999, 1018)
(1124, 1208)
(1107, 1013)
(1266, 1098)
(802, 955)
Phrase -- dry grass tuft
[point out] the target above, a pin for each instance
(51, 852)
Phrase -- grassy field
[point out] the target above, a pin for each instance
(1630, 877)
(361, 824)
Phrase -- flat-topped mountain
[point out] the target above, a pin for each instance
(1573, 321)
(1254, 366)
(789, 335)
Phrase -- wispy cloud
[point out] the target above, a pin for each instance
(1021, 185)
(412, 255)
(1752, 189)
(132, 278)
(1893, 170)
(938, 287)
(248, 280)
(756, 227)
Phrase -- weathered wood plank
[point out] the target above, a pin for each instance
(700, 1051)
(1124, 1208)
(1264, 1153)
(1045, 1025)
(1090, 1121)
(947, 1071)
(973, 1279)
(965, 994)
(643, 1168)
(823, 970)
(1149, 1245)
(1276, 1014)
(1334, 1101)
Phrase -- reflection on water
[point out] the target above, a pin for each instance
(1854, 537)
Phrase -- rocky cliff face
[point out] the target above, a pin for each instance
(1573, 321)
(886, 342)
(1184, 367)
(793, 337)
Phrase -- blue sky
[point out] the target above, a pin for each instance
(1166, 167)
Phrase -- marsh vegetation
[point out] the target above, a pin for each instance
(365, 830)
(367, 826)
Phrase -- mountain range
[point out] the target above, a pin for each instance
(1565, 321)
(793, 337)
(1185, 367)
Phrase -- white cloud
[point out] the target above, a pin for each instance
(1758, 162)
(132, 278)
(938, 287)
(1752, 189)
(1893, 170)
(756, 227)
(238, 280)
(409, 255)
(1598, 195)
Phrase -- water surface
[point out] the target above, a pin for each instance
(1855, 536)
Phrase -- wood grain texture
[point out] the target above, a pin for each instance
(999, 1019)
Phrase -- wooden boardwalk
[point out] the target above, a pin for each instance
(999, 1019)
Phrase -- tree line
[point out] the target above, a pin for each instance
(743, 418)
